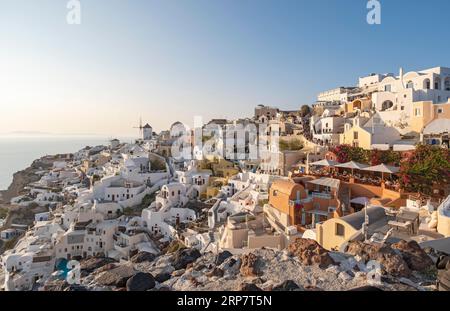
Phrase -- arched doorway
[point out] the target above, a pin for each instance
(386, 105)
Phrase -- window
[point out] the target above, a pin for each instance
(340, 230)
(388, 88)
(173, 193)
(437, 84)
(355, 135)
(402, 108)
(410, 85)
(427, 84)
(275, 193)
(417, 112)
(440, 110)
(447, 84)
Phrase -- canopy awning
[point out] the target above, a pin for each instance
(326, 182)
(383, 168)
(352, 165)
(324, 162)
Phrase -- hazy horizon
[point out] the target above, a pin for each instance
(166, 61)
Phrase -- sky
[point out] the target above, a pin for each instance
(167, 60)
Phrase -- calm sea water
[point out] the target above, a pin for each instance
(17, 153)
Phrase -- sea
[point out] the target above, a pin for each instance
(18, 152)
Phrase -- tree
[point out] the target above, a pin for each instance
(347, 153)
(390, 157)
(425, 167)
(305, 110)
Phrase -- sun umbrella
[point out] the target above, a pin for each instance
(324, 162)
(383, 168)
(352, 165)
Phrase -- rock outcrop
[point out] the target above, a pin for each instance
(222, 256)
(392, 263)
(117, 277)
(249, 266)
(309, 252)
(285, 286)
(416, 258)
(143, 257)
(91, 264)
(248, 287)
(140, 282)
(185, 256)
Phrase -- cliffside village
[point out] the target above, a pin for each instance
(126, 200)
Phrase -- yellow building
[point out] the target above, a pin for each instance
(356, 135)
(333, 233)
(425, 112)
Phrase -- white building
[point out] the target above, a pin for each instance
(398, 93)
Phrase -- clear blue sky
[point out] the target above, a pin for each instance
(169, 60)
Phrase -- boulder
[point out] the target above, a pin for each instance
(249, 266)
(443, 275)
(143, 257)
(416, 258)
(55, 285)
(391, 262)
(162, 277)
(216, 272)
(140, 282)
(116, 277)
(221, 257)
(185, 256)
(91, 264)
(309, 252)
(248, 287)
(287, 285)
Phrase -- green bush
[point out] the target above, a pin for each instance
(290, 145)
(3, 213)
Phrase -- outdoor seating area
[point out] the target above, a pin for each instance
(360, 173)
